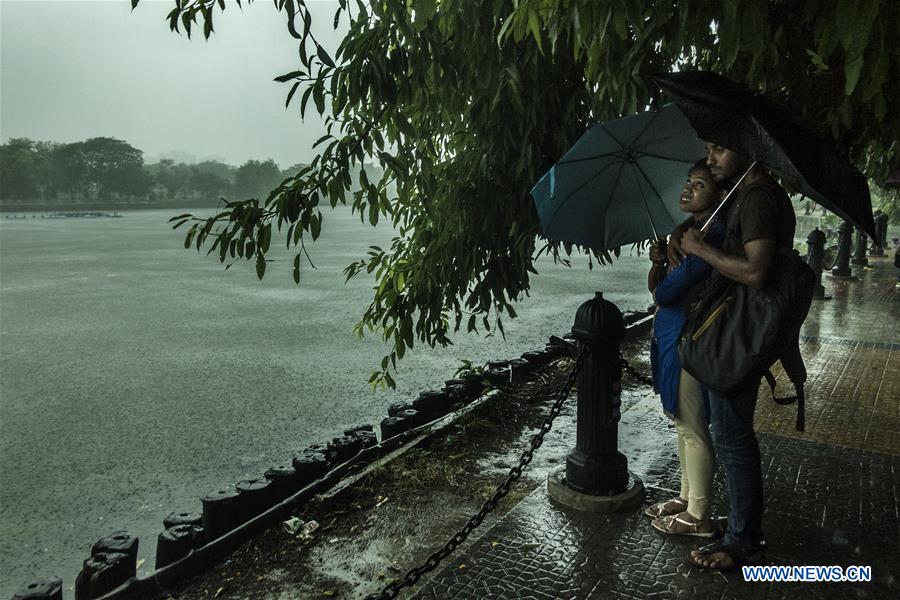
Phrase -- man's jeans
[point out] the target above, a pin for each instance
(731, 420)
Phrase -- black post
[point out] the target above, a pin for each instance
(816, 244)
(859, 256)
(880, 240)
(595, 466)
(842, 266)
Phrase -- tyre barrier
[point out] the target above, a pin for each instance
(392, 426)
(255, 496)
(497, 375)
(359, 430)
(461, 391)
(119, 542)
(519, 369)
(284, 481)
(47, 589)
(398, 407)
(536, 358)
(182, 518)
(413, 417)
(309, 465)
(433, 404)
(102, 573)
(175, 543)
(343, 448)
(473, 383)
(367, 437)
(220, 513)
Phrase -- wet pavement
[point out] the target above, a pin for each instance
(831, 492)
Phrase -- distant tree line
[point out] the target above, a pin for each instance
(105, 170)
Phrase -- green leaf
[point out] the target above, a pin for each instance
(534, 25)
(407, 331)
(266, 237)
(816, 60)
(304, 99)
(404, 126)
(297, 268)
(207, 24)
(319, 98)
(620, 24)
(315, 225)
(291, 93)
(323, 56)
(260, 266)
(503, 29)
(851, 74)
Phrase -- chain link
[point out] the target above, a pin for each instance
(392, 590)
(646, 380)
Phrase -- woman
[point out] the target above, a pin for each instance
(681, 394)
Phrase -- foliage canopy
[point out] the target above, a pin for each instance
(465, 103)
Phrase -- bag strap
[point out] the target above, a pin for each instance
(799, 398)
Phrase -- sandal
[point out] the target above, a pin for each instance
(731, 556)
(666, 508)
(679, 525)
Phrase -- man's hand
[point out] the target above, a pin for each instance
(658, 251)
(674, 252)
(692, 243)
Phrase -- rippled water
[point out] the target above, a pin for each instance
(136, 376)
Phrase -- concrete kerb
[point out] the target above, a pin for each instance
(335, 480)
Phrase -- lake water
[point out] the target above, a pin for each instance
(137, 376)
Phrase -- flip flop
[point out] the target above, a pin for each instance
(735, 556)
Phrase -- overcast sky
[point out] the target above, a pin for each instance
(74, 69)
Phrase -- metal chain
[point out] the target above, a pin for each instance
(634, 373)
(392, 590)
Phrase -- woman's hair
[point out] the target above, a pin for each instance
(700, 165)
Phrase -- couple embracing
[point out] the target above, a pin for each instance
(740, 245)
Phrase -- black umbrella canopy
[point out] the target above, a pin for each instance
(726, 113)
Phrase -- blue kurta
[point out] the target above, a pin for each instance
(671, 315)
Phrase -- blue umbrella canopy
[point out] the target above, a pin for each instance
(620, 183)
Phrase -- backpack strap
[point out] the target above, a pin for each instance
(799, 398)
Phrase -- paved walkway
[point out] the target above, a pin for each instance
(831, 492)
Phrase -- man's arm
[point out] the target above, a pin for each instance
(752, 270)
(674, 253)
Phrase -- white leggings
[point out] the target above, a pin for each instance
(695, 448)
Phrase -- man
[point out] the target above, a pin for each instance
(760, 221)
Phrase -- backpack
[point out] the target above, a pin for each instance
(734, 333)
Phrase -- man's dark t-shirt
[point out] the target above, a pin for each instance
(761, 211)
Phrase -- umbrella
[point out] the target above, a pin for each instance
(728, 114)
(619, 184)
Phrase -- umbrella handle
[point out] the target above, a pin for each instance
(725, 200)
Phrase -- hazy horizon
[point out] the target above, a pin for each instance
(76, 69)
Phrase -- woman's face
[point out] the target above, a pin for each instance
(699, 192)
